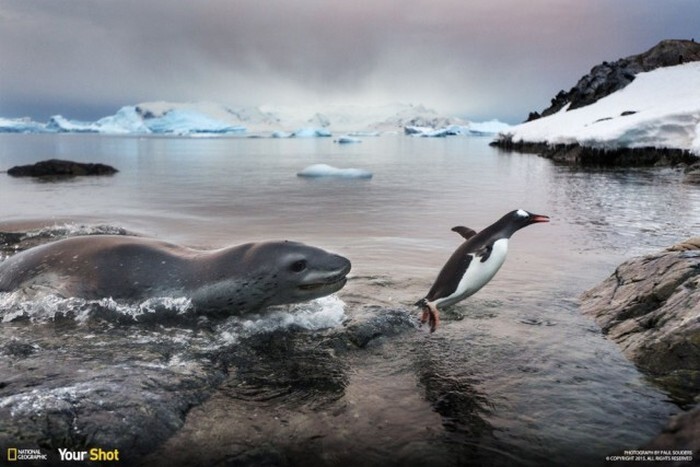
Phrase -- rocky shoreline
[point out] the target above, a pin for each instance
(650, 306)
(577, 155)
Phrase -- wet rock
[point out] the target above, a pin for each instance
(651, 307)
(60, 168)
(107, 389)
(385, 323)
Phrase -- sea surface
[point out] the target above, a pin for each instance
(515, 374)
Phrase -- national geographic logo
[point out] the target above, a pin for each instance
(17, 454)
(65, 455)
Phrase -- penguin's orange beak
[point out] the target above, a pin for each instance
(539, 218)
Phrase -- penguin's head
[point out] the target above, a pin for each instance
(525, 218)
(516, 220)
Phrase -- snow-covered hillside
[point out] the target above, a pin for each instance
(660, 109)
(211, 118)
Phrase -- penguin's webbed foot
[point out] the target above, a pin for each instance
(430, 315)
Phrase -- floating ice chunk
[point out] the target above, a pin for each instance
(324, 170)
(347, 140)
(281, 134)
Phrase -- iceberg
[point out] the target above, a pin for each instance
(311, 133)
(60, 124)
(203, 118)
(489, 128)
(184, 121)
(126, 120)
(20, 125)
(328, 171)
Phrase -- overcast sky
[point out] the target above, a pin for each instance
(478, 58)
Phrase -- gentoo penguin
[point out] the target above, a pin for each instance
(474, 263)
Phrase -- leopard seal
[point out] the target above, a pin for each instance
(231, 280)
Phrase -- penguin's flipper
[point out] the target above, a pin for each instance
(465, 232)
(484, 253)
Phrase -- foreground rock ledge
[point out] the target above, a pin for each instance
(60, 168)
(651, 307)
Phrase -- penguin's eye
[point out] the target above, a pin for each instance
(298, 266)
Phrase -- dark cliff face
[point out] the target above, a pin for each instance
(608, 77)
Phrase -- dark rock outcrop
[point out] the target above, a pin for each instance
(651, 307)
(608, 77)
(577, 155)
(60, 168)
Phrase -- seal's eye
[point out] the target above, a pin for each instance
(298, 266)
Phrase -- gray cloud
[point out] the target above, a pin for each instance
(484, 58)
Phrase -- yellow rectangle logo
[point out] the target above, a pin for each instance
(11, 454)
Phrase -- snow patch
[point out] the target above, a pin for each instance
(660, 108)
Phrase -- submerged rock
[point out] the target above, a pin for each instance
(60, 168)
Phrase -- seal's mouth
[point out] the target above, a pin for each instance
(329, 282)
(339, 282)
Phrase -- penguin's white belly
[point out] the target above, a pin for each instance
(478, 274)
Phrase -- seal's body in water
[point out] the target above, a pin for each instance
(231, 280)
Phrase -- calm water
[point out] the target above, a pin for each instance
(546, 386)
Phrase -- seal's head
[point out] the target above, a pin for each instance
(304, 272)
(272, 273)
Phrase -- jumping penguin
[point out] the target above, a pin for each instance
(474, 263)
